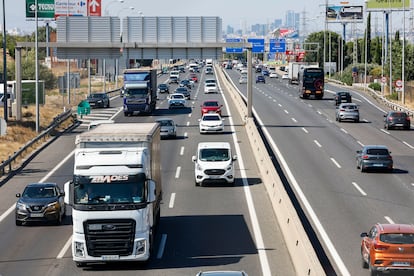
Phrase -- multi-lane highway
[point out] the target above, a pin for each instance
(202, 228)
(320, 154)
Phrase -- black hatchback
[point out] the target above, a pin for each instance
(342, 97)
(40, 202)
(397, 119)
(98, 100)
(163, 88)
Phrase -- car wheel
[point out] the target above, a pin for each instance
(362, 168)
(364, 264)
(357, 120)
(357, 165)
(18, 223)
(59, 220)
(108, 105)
(372, 271)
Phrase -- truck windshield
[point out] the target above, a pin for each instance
(109, 189)
(136, 76)
(136, 92)
(214, 155)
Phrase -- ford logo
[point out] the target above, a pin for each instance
(108, 227)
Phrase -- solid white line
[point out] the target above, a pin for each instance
(5, 214)
(359, 189)
(172, 200)
(344, 131)
(360, 143)
(252, 211)
(336, 163)
(389, 220)
(182, 151)
(177, 172)
(384, 131)
(162, 246)
(65, 248)
(305, 130)
(408, 145)
(317, 143)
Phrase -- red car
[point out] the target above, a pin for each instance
(211, 106)
(194, 77)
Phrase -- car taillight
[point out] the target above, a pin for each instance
(389, 157)
(380, 247)
(390, 119)
(407, 118)
(342, 109)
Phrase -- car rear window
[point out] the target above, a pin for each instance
(399, 115)
(377, 151)
(397, 238)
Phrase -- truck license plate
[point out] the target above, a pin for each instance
(110, 257)
(401, 263)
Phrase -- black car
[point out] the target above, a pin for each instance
(98, 100)
(342, 97)
(260, 78)
(374, 157)
(163, 88)
(397, 119)
(186, 83)
(40, 202)
(184, 91)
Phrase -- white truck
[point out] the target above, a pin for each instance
(115, 193)
(293, 72)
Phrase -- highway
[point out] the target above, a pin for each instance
(340, 201)
(202, 228)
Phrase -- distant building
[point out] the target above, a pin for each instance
(292, 19)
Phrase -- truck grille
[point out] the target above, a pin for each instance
(109, 237)
(214, 172)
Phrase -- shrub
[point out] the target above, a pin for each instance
(375, 85)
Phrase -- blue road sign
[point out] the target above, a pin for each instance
(257, 45)
(277, 45)
(233, 50)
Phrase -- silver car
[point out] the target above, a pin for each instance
(168, 127)
(222, 273)
(347, 111)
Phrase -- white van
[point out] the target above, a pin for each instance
(213, 162)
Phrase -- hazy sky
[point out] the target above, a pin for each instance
(237, 13)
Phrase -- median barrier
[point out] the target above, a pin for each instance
(302, 253)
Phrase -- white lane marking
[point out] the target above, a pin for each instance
(274, 100)
(185, 134)
(357, 100)
(387, 218)
(318, 225)
(65, 248)
(11, 208)
(182, 151)
(317, 143)
(162, 246)
(287, 112)
(250, 204)
(188, 123)
(359, 189)
(293, 119)
(305, 130)
(280, 105)
(320, 113)
(177, 172)
(336, 163)
(360, 143)
(172, 200)
(344, 131)
(384, 131)
(189, 115)
(408, 145)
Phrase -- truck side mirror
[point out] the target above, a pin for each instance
(151, 191)
(68, 186)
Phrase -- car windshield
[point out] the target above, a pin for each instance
(166, 123)
(397, 238)
(210, 104)
(377, 151)
(96, 96)
(39, 192)
(177, 97)
(211, 85)
(399, 115)
(214, 154)
(211, 118)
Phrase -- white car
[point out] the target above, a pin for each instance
(213, 162)
(243, 79)
(176, 100)
(211, 122)
(273, 75)
(285, 76)
(210, 87)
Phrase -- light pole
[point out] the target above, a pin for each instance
(5, 95)
(112, 2)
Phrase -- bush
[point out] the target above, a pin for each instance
(375, 85)
(393, 96)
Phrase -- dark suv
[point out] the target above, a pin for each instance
(397, 119)
(342, 97)
(98, 100)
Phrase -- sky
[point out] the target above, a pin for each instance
(237, 13)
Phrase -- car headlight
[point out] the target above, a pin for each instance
(21, 206)
(198, 167)
(53, 206)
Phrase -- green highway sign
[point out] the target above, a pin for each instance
(46, 9)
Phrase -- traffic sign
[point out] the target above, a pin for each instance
(384, 79)
(277, 45)
(94, 7)
(45, 9)
(71, 8)
(231, 49)
(398, 83)
(257, 44)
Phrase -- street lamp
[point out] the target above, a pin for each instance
(112, 2)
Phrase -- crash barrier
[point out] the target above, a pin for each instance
(7, 166)
(302, 253)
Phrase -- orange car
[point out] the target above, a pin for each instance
(388, 247)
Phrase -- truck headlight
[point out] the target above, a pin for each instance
(79, 249)
(140, 247)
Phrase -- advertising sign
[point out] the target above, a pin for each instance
(387, 5)
(344, 13)
(277, 45)
(257, 45)
(46, 9)
(232, 49)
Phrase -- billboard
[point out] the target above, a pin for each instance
(341, 14)
(45, 10)
(387, 5)
(71, 8)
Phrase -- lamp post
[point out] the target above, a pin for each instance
(4, 65)
(112, 2)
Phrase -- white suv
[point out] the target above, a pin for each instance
(213, 162)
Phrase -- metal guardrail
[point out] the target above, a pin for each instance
(6, 167)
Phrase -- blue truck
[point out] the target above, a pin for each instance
(139, 91)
